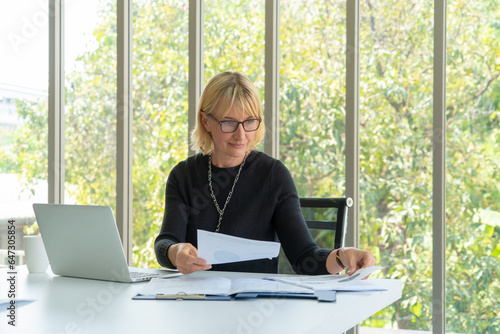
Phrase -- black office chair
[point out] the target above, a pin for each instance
(327, 222)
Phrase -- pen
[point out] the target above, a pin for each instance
(289, 282)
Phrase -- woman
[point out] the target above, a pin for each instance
(231, 188)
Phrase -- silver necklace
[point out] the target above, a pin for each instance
(221, 212)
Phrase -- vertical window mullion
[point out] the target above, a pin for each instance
(56, 103)
(196, 68)
(352, 119)
(352, 124)
(439, 170)
(271, 98)
(124, 119)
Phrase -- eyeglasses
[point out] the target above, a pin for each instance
(231, 126)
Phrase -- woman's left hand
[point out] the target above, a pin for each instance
(352, 258)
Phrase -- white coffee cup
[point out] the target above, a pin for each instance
(34, 252)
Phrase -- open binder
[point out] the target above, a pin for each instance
(320, 287)
(222, 288)
(322, 296)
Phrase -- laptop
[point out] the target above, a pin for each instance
(83, 241)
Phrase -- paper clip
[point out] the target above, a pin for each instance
(181, 296)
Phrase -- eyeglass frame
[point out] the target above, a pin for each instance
(236, 128)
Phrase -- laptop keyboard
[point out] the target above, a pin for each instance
(138, 274)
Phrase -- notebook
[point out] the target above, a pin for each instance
(83, 241)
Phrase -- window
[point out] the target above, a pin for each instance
(473, 194)
(160, 128)
(234, 39)
(312, 95)
(90, 108)
(396, 74)
(23, 120)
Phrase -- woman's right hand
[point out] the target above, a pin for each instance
(184, 256)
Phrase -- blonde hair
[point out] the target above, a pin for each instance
(222, 93)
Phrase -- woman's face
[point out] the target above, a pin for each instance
(229, 148)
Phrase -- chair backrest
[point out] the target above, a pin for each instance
(327, 214)
(327, 221)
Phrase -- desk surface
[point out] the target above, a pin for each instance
(72, 305)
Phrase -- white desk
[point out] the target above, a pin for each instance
(71, 305)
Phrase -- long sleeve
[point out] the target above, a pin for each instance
(171, 233)
(304, 255)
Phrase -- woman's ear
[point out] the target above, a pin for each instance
(204, 121)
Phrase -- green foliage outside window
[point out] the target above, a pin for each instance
(396, 132)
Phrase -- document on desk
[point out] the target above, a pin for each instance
(333, 282)
(216, 286)
(218, 248)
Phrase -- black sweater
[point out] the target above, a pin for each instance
(264, 206)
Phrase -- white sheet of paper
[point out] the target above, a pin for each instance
(330, 282)
(221, 248)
